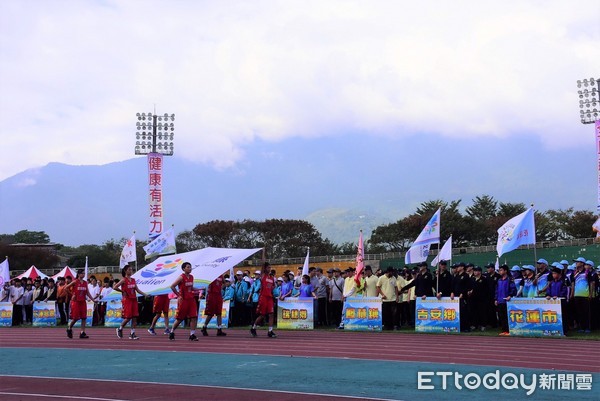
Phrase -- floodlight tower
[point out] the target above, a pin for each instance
(154, 137)
(589, 103)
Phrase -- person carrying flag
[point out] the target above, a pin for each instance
(186, 304)
(266, 302)
(78, 305)
(129, 290)
(214, 306)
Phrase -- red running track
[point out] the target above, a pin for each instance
(537, 353)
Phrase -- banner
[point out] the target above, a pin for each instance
(419, 250)
(444, 254)
(213, 322)
(207, 264)
(537, 317)
(4, 272)
(519, 230)
(6, 309)
(437, 315)
(90, 314)
(155, 169)
(44, 314)
(362, 314)
(164, 244)
(295, 313)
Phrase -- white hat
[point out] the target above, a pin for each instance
(257, 272)
(247, 279)
(228, 279)
(279, 278)
(238, 272)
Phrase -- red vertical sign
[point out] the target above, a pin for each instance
(155, 212)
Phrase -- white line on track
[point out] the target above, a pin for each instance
(69, 397)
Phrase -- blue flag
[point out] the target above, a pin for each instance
(519, 230)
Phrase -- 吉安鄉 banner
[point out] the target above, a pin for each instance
(434, 315)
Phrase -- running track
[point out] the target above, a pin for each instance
(509, 352)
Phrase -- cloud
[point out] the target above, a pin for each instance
(75, 73)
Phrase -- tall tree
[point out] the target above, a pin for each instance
(31, 237)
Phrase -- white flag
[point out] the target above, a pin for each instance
(164, 244)
(444, 254)
(129, 253)
(419, 250)
(519, 230)
(4, 272)
(305, 266)
(86, 269)
(596, 227)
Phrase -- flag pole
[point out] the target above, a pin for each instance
(437, 269)
(534, 247)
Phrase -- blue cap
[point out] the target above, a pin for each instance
(580, 259)
(557, 265)
(515, 268)
(571, 267)
(564, 262)
(589, 262)
(544, 261)
(529, 267)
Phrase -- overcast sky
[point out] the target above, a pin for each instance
(236, 73)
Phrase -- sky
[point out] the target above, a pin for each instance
(237, 74)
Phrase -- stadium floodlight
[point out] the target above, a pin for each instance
(154, 134)
(589, 100)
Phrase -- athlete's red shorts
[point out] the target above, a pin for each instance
(78, 310)
(214, 306)
(265, 306)
(186, 308)
(130, 308)
(161, 304)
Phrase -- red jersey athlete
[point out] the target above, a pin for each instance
(78, 305)
(160, 306)
(214, 306)
(187, 308)
(266, 302)
(128, 289)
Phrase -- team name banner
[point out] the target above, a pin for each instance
(536, 317)
(6, 309)
(213, 322)
(295, 313)
(362, 314)
(90, 314)
(44, 314)
(437, 315)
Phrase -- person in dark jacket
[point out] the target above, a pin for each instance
(461, 285)
(423, 282)
(557, 289)
(505, 290)
(478, 298)
(443, 280)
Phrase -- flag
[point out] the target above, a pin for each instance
(445, 253)
(164, 244)
(519, 230)
(4, 272)
(497, 265)
(360, 259)
(129, 253)
(305, 266)
(419, 250)
(207, 264)
(86, 269)
(596, 227)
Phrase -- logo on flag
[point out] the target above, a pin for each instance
(419, 251)
(129, 253)
(164, 244)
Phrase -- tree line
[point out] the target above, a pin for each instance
(286, 238)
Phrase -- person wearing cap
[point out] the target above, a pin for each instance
(78, 305)
(516, 274)
(491, 279)
(478, 297)
(386, 288)
(322, 292)
(265, 308)
(469, 269)
(227, 291)
(528, 284)
(581, 294)
(505, 290)
(241, 289)
(543, 275)
(336, 296)
(461, 285)
(253, 293)
(370, 282)
(443, 280)
(558, 290)
(423, 282)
